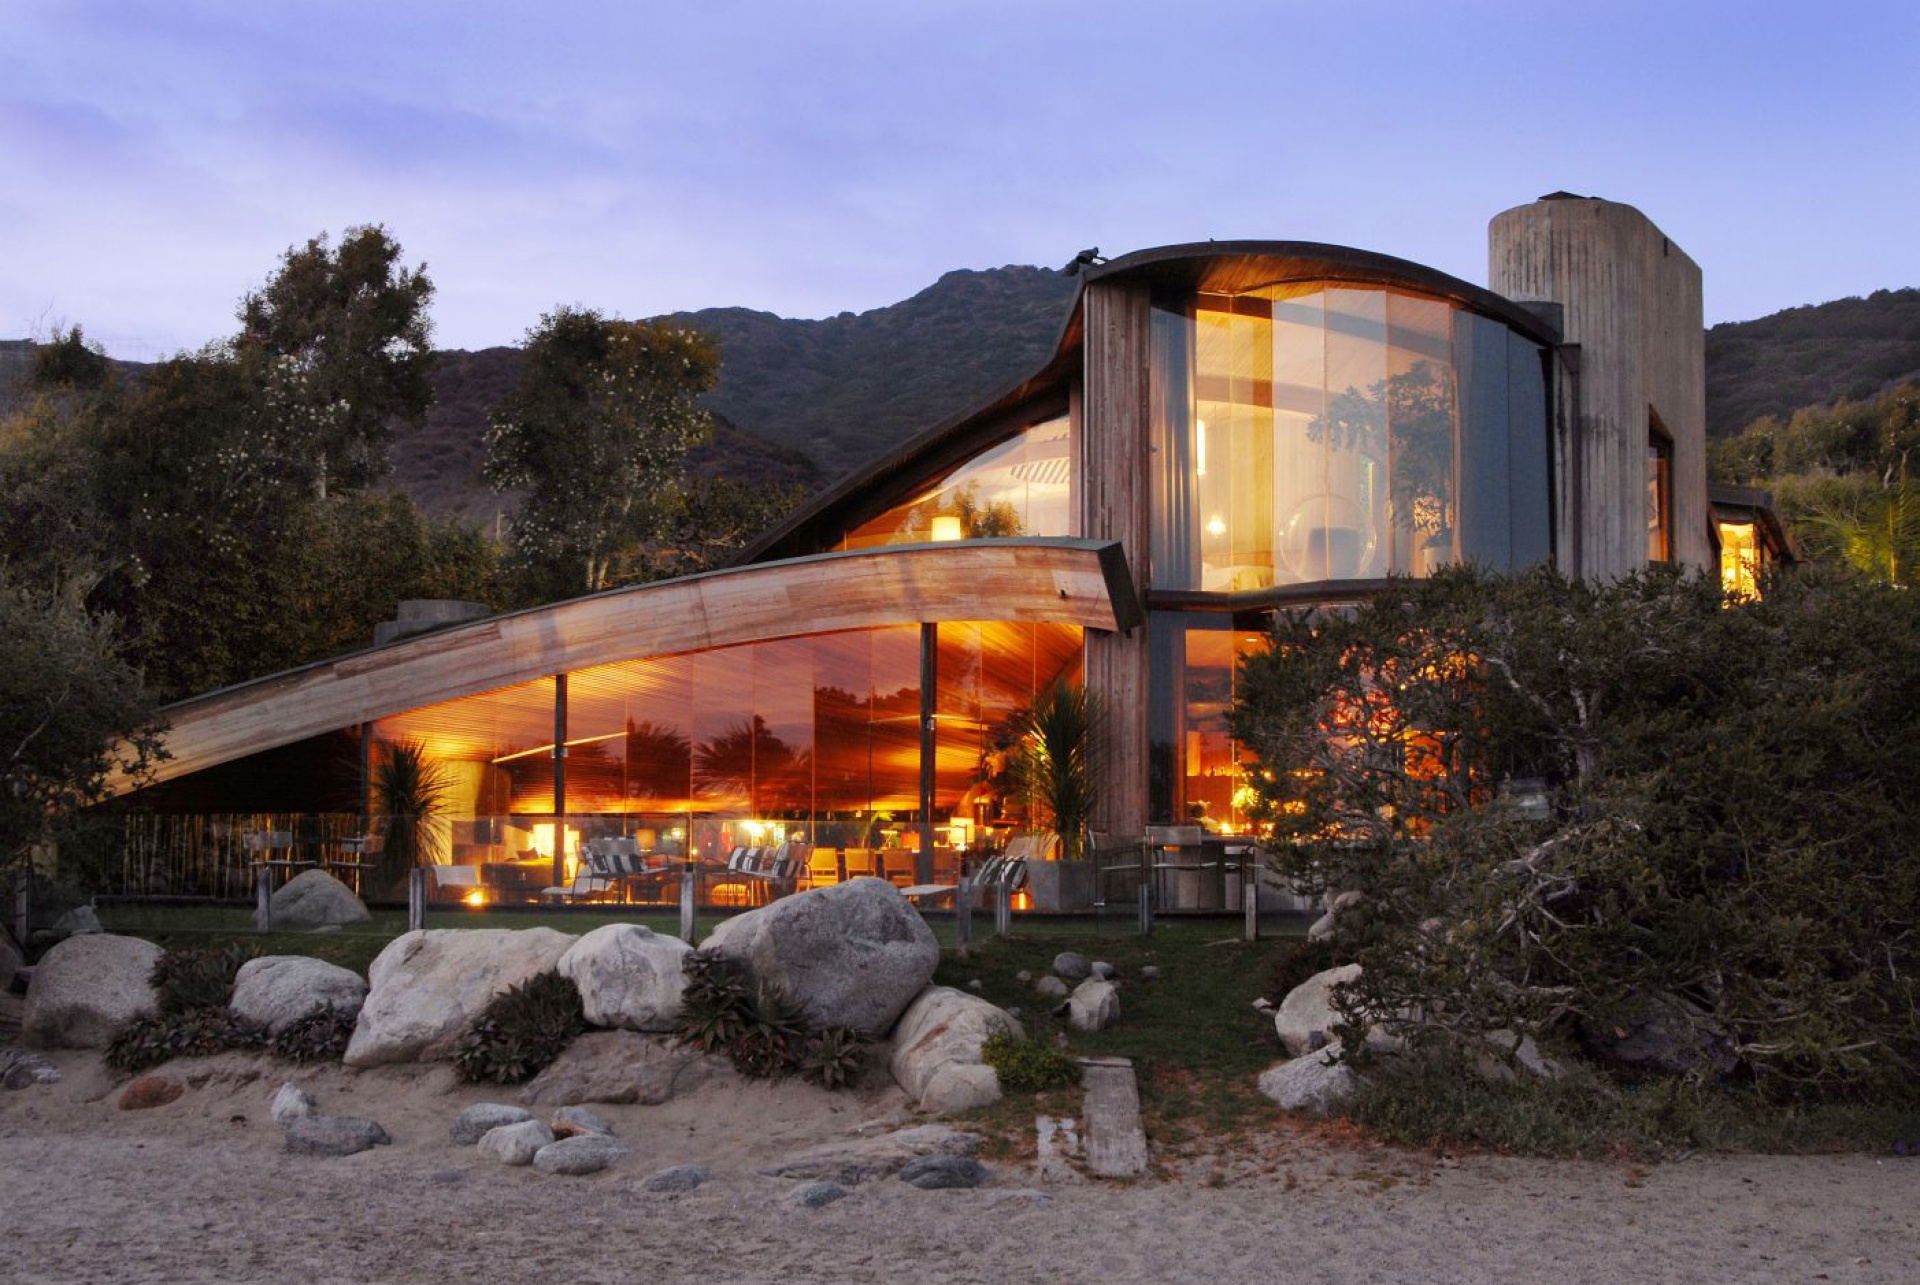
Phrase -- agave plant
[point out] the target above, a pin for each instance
(409, 792)
(1056, 762)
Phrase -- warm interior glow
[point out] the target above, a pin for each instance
(946, 526)
(475, 898)
(1739, 560)
(1200, 448)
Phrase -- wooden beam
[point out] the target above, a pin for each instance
(1060, 581)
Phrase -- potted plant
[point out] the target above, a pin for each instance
(1056, 763)
(409, 794)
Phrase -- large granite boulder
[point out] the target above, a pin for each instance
(936, 1049)
(621, 1067)
(314, 899)
(1306, 1016)
(86, 989)
(427, 985)
(278, 990)
(1094, 1005)
(850, 954)
(628, 976)
(1315, 1083)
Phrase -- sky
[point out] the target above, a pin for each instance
(157, 159)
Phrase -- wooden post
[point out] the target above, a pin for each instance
(263, 899)
(22, 907)
(1250, 893)
(1146, 909)
(963, 916)
(1003, 911)
(686, 905)
(416, 899)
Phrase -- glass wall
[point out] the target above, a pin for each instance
(1312, 432)
(1199, 772)
(813, 742)
(1020, 487)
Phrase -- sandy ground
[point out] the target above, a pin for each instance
(200, 1190)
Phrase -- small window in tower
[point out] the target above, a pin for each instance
(1659, 495)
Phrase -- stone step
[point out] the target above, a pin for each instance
(1116, 1143)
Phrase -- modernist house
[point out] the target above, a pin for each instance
(1223, 429)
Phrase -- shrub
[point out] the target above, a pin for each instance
(149, 1041)
(833, 1056)
(1723, 837)
(521, 1031)
(320, 1036)
(198, 977)
(1025, 1066)
(759, 1027)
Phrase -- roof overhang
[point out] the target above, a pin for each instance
(1058, 581)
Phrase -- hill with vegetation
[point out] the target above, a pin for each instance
(1810, 356)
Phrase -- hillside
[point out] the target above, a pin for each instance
(1810, 356)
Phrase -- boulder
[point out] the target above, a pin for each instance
(937, 1173)
(1094, 1005)
(1103, 970)
(570, 1122)
(313, 899)
(334, 1135)
(482, 1118)
(1314, 1083)
(516, 1144)
(1508, 1053)
(1656, 1035)
(427, 985)
(20, 1069)
(814, 1195)
(1052, 987)
(291, 1103)
(1306, 1016)
(623, 1066)
(278, 990)
(856, 1160)
(678, 1178)
(850, 954)
(1072, 965)
(628, 976)
(148, 1091)
(587, 1153)
(87, 988)
(936, 1050)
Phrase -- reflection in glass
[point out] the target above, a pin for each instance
(1019, 487)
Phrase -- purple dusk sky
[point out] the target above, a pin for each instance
(157, 158)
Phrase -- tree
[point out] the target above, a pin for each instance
(594, 435)
(338, 347)
(1716, 823)
(72, 716)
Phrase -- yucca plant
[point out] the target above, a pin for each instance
(1056, 762)
(409, 792)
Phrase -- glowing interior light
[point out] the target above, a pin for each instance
(476, 898)
(1199, 448)
(947, 527)
(1216, 526)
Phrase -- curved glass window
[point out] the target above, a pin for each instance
(1309, 432)
(1019, 487)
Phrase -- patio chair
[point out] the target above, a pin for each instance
(594, 880)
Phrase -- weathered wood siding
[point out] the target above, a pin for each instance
(1059, 581)
(1112, 466)
(1632, 303)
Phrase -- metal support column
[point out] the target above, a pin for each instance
(929, 691)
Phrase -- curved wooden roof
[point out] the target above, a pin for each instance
(1061, 581)
(1225, 267)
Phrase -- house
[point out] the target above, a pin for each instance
(1223, 430)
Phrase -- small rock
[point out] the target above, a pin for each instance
(571, 1122)
(334, 1135)
(934, 1173)
(482, 1118)
(1103, 970)
(20, 1069)
(1263, 1005)
(678, 1178)
(812, 1195)
(1150, 972)
(1014, 1012)
(516, 1144)
(1072, 965)
(291, 1103)
(150, 1091)
(1094, 1005)
(1023, 977)
(81, 919)
(1019, 1196)
(976, 985)
(584, 1154)
(1052, 987)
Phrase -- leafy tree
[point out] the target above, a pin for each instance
(337, 346)
(72, 715)
(1727, 832)
(594, 435)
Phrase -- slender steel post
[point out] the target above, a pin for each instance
(1003, 911)
(559, 780)
(263, 899)
(1146, 909)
